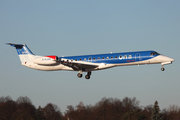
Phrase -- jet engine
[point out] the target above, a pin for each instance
(46, 60)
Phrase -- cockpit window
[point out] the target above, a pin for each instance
(155, 53)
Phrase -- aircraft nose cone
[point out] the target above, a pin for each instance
(169, 59)
(172, 60)
(165, 59)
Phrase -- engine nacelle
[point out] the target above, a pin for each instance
(46, 60)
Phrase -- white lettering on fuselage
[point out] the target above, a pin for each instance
(44, 59)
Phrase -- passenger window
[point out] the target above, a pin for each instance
(111, 57)
(84, 59)
(75, 59)
(115, 56)
(89, 58)
(107, 57)
(125, 56)
(102, 57)
(94, 58)
(130, 56)
(80, 59)
(71, 59)
(98, 58)
(120, 56)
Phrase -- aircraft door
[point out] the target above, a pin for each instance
(137, 57)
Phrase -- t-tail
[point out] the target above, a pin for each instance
(88, 63)
(24, 52)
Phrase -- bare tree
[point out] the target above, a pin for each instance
(70, 112)
(172, 113)
(7, 108)
(130, 104)
(22, 99)
(52, 112)
(148, 111)
(25, 109)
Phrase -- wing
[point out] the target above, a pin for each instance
(78, 65)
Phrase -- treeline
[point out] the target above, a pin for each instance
(105, 109)
(23, 109)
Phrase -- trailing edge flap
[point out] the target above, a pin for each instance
(76, 65)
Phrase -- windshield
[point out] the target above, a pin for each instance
(155, 53)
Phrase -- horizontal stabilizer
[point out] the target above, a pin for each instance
(19, 46)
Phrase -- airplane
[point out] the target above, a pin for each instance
(88, 63)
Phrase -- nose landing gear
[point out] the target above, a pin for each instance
(162, 69)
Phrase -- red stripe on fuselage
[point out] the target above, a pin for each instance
(130, 60)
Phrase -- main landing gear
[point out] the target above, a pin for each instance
(87, 76)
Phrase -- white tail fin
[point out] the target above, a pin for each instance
(24, 52)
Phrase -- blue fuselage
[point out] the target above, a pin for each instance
(115, 58)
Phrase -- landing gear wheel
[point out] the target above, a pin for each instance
(87, 77)
(162, 69)
(79, 75)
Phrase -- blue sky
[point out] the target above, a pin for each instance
(80, 27)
